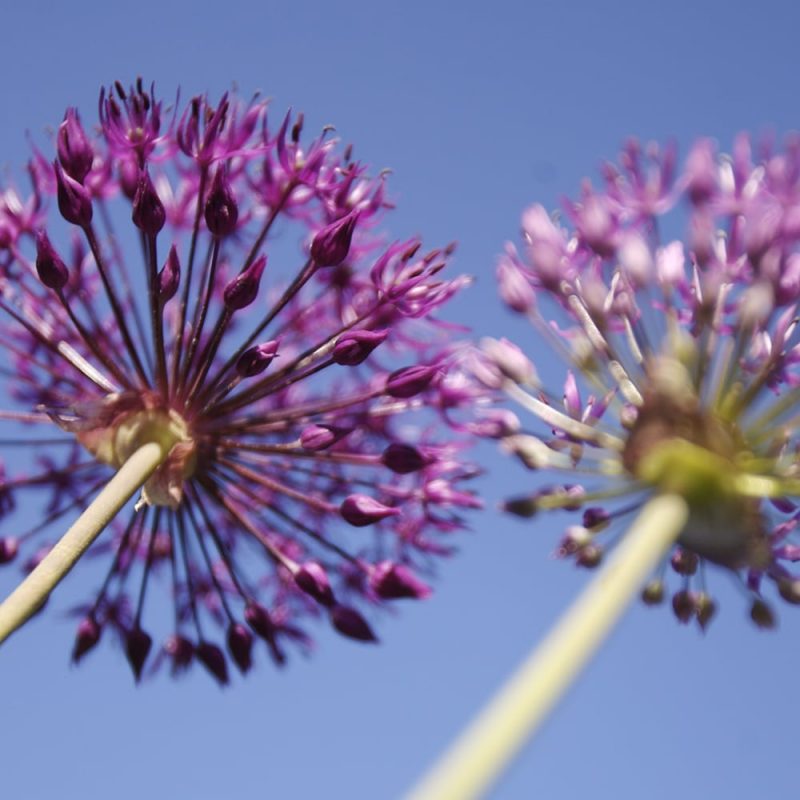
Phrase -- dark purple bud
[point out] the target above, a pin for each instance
(86, 638)
(180, 652)
(789, 590)
(360, 510)
(137, 647)
(170, 276)
(353, 347)
(409, 381)
(332, 244)
(240, 646)
(683, 561)
(242, 290)
(762, 615)
(403, 458)
(525, 506)
(320, 437)
(148, 212)
(52, 271)
(704, 609)
(256, 359)
(9, 547)
(222, 211)
(313, 580)
(350, 623)
(589, 556)
(74, 151)
(213, 659)
(683, 605)
(653, 593)
(258, 618)
(595, 517)
(393, 581)
(74, 201)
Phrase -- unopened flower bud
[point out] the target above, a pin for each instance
(74, 150)
(221, 211)
(789, 589)
(313, 580)
(683, 605)
(52, 271)
(403, 458)
(321, 437)
(653, 593)
(353, 347)
(86, 638)
(148, 213)
(213, 659)
(259, 619)
(74, 201)
(137, 647)
(510, 360)
(596, 518)
(243, 289)
(332, 244)
(409, 381)
(704, 609)
(180, 652)
(683, 561)
(525, 506)
(350, 623)
(515, 289)
(762, 614)
(589, 556)
(394, 581)
(361, 510)
(170, 276)
(256, 359)
(9, 547)
(240, 646)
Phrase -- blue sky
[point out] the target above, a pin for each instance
(478, 112)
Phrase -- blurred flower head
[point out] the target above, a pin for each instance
(671, 294)
(199, 272)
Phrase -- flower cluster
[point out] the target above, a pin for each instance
(683, 358)
(294, 485)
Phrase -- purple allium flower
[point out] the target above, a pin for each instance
(683, 356)
(213, 276)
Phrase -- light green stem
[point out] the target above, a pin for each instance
(476, 759)
(34, 589)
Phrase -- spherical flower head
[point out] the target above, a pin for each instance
(682, 356)
(142, 305)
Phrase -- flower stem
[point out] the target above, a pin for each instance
(496, 735)
(34, 589)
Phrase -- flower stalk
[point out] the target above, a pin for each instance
(477, 758)
(24, 601)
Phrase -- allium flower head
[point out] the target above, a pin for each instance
(202, 275)
(672, 296)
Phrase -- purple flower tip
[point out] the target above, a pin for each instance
(313, 580)
(180, 652)
(240, 646)
(320, 437)
(350, 623)
(409, 381)
(74, 201)
(222, 211)
(360, 510)
(74, 151)
(353, 347)
(86, 638)
(394, 581)
(170, 276)
(52, 271)
(403, 458)
(148, 213)
(213, 659)
(259, 619)
(242, 290)
(137, 648)
(332, 244)
(256, 359)
(9, 547)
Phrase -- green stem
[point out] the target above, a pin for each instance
(477, 758)
(35, 588)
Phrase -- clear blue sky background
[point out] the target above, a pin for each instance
(479, 109)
